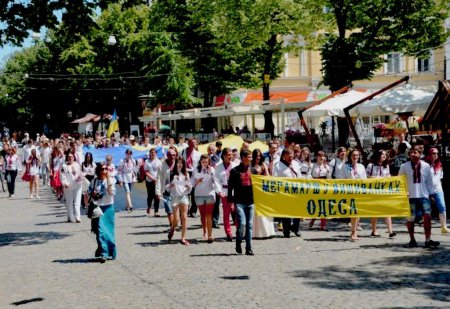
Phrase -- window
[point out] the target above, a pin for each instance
(426, 65)
(295, 65)
(394, 63)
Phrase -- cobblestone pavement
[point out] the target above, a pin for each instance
(48, 263)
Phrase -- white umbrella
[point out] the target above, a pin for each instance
(398, 100)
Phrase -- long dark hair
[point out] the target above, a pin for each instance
(175, 169)
(376, 157)
(91, 162)
(255, 153)
(203, 156)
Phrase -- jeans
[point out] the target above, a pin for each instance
(419, 207)
(245, 215)
(440, 201)
(45, 173)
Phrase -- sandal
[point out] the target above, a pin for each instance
(185, 242)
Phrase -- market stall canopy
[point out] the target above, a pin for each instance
(88, 118)
(437, 115)
(399, 100)
(335, 105)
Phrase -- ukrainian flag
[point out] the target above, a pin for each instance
(113, 125)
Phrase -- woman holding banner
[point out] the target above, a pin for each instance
(262, 226)
(354, 170)
(320, 170)
(379, 168)
(305, 164)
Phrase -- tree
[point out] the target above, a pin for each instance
(368, 29)
(258, 30)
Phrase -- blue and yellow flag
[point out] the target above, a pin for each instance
(113, 125)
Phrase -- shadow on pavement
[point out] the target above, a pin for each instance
(77, 261)
(214, 254)
(427, 273)
(27, 301)
(31, 238)
(51, 223)
(245, 277)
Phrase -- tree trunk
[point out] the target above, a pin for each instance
(269, 126)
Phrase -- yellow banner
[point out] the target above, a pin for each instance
(330, 198)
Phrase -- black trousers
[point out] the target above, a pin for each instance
(151, 195)
(290, 225)
(11, 176)
(216, 210)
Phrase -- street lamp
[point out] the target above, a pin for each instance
(112, 40)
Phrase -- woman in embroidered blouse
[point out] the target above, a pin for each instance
(56, 164)
(179, 189)
(126, 175)
(320, 170)
(33, 163)
(104, 190)
(205, 191)
(354, 170)
(88, 168)
(438, 194)
(12, 166)
(379, 167)
(72, 178)
(305, 164)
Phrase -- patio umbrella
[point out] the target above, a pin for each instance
(164, 127)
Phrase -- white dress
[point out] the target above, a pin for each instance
(262, 226)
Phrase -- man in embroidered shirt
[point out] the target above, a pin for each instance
(420, 187)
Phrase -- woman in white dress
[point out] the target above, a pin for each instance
(72, 179)
(262, 226)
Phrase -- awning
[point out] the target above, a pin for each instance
(335, 105)
(439, 106)
(287, 96)
(88, 118)
(399, 100)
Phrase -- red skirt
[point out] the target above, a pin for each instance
(55, 182)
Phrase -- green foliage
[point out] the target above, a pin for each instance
(368, 29)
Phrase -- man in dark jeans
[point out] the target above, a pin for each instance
(240, 193)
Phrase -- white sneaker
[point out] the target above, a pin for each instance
(31, 195)
(38, 197)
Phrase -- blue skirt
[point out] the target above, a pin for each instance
(103, 228)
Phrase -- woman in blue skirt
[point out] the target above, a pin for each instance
(101, 192)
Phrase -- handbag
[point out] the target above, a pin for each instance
(97, 212)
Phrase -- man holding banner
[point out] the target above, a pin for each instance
(420, 187)
(286, 167)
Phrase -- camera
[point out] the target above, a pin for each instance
(96, 196)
